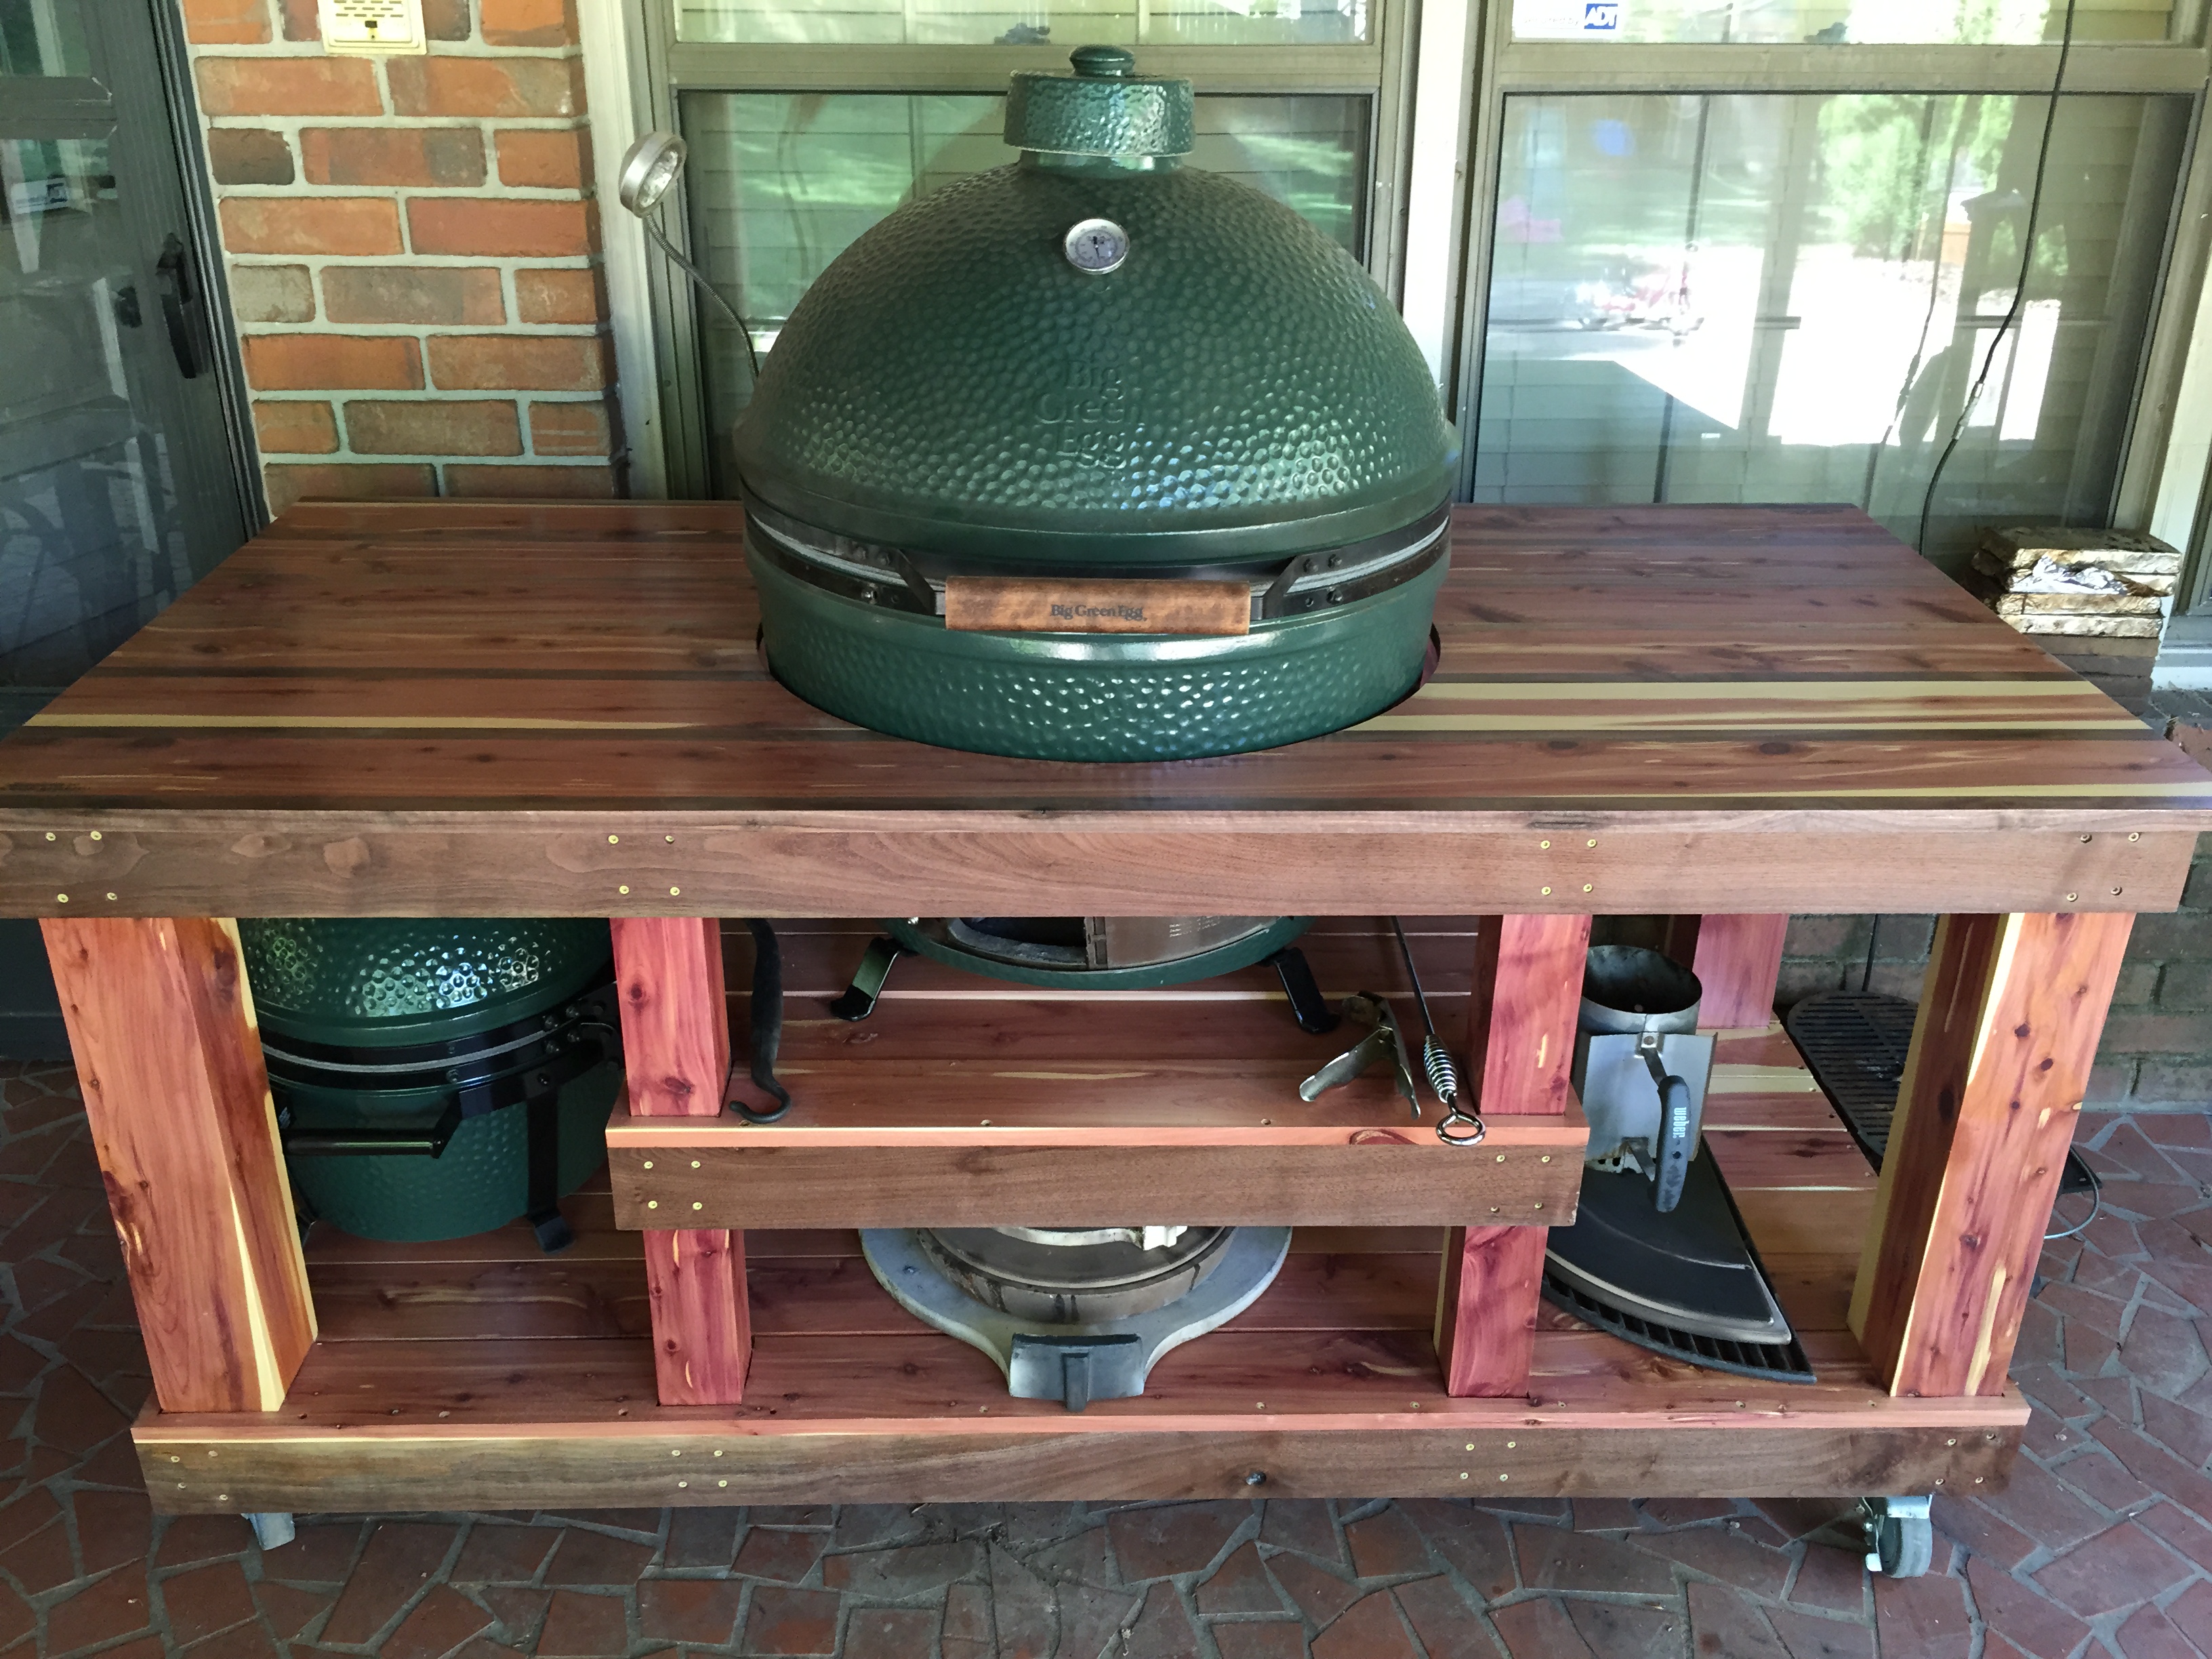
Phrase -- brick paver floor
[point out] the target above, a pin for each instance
(2101, 1546)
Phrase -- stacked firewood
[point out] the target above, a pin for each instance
(2108, 584)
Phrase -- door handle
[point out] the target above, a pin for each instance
(183, 308)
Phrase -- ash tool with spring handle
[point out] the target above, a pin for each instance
(1437, 1062)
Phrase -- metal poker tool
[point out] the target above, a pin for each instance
(1437, 1062)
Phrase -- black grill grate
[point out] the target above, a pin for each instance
(1854, 1043)
(1771, 1362)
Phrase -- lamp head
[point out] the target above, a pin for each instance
(647, 171)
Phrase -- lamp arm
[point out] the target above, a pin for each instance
(705, 287)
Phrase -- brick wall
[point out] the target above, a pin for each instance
(412, 249)
(2157, 1051)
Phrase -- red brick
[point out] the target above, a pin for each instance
(791, 1621)
(289, 427)
(310, 224)
(300, 22)
(694, 1610)
(340, 482)
(549, 161)
(206, 1599)
(249, 155)
(517, 363)
(580, 1623)
(532, 482)
(1173, 1538)
(481, 225)
(1369, 1630)
(272, 294)
(476, 427)
(105, 1609)
(289, 85)
(226, 22)
(559, 296)
(412, 294)
(485, 86)
(392, 156)
(324, 362)
(569, 430)
(530, 22)
(445, 20)
(441, 1621)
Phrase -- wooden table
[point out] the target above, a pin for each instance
(450, 709)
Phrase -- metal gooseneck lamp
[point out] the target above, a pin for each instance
(649, 168)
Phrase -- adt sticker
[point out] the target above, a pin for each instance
(1601, 16)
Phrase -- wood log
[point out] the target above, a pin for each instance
(676, 1051)
(161, 1023)
(1992, 1088)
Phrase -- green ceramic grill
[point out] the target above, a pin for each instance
(435, 1078)
(1097, 364)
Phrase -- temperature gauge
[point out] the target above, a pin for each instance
(1096, 246)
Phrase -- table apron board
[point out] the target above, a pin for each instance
(204, 1466)
(149, 864)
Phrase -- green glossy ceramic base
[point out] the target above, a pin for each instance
(482, 1180)
(1203, 964)
(1095, 696)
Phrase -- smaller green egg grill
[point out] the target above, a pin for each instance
(1097, 364)
(435, 1078)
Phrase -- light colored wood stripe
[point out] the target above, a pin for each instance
(1729, 1080)
(1764, 692)
(1751, 719)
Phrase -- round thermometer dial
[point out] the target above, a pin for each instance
(1096, 246)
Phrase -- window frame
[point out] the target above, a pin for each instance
(1497, 67)
(1378, 68)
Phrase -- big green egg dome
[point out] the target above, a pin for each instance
(1235, 388)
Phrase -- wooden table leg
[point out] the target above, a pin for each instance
(1993, 1084)
(161, 1024)
(1738, 961)
(676, 1051)
(1520, 1048)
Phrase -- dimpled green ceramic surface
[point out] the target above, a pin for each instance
(366, 984)
(1213, 388)
(1095, 696)
(1238, 389)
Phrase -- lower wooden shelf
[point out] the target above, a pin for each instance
(479, 1374)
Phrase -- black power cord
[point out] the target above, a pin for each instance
(2020, 289)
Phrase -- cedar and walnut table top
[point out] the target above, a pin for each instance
(475, 708)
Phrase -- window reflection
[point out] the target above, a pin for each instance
(1779, 298)
(1838, 22)
(1026, 22)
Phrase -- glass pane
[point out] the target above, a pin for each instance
(92, 541)
(1866, 23)
(780, 184)
(1787, 299)
(42, 37)
(1026, 22)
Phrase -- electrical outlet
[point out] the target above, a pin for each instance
(372, 27)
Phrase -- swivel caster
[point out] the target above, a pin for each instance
(1900, 1538)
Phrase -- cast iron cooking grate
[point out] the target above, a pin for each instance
(1854, 1043)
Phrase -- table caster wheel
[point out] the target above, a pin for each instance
(1900, 1538)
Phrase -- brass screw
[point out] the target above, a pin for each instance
(696, 1205)
(1977, 1480)
(675, 892)
(648, 1164)
(2134, 836)
(652, 1203)
(1509, 1445)
(670, 839)
(1546, 1158)
(2116, 892)
(2071, 897)
(986, 1123)
(1493, 1209)
(1462, 1473)
(695, 1163)
(96, 834)
(721, 1483)
(684, 1483)
(1548, 892)
(1470, 1445)
(111, 898)
(673, 1453)
(1539, 1206)
(1501, 1157)
(1592, 841)
(622, 889)
(718, 1452)
(1586, 887)
(1950, 1443)
(61, 898)
(1502, 1477)
(613, 839)
(50, 834)
(2085, 838)
(1545, 845)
